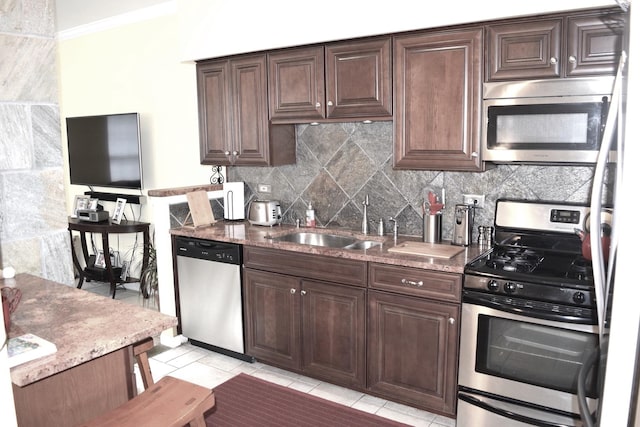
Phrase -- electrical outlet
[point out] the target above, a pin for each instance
(264, 188)
(473, 199)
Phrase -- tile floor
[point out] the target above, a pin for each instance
(209, 369)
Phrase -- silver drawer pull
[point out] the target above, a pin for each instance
(303, 293)
(411, 282)
(293, 291)
(452, 320)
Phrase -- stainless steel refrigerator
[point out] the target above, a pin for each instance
(617, 280)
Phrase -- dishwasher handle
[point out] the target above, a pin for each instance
(209, 250)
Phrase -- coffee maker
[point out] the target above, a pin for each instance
(462, 225)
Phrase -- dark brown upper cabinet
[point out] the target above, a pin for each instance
(232, 112)
(584, 44)
(347, 80)
(437, 90)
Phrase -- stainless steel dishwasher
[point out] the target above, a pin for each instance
(210, 294)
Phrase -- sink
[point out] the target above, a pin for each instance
(363, 244)
(317, 239)
(327, 240)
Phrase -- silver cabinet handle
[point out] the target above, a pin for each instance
(572, 59)
(293, 291)
(553, 60)
(411, 282)
(303, 293)
(474, 154)
(330, 104)
(235, 153)
(226, 153)
(317, 105)
(452, 320)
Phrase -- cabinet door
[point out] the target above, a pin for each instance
(296, 84)
(358, 78)
(272, 318)
(437, 94)
(413, 350)
(594, 43)
(524, 50)
(333, 327)
(214, 111)
(249, 103)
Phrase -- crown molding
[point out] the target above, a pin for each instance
(151, 12)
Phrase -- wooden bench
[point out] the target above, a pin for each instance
(170, 402)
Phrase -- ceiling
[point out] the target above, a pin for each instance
(73, 13)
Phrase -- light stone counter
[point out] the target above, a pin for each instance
(242, 232)
(84, 326)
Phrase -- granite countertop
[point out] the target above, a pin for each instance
(82, 325)
(242, 232)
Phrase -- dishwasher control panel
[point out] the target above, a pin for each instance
(229, 253)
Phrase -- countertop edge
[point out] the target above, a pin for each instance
(241, 232)
(83, 325)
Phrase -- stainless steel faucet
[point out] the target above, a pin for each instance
(365, 219)
(395, 227)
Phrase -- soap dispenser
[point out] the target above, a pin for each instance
(310, 216)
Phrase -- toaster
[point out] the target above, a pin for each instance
(265, 212)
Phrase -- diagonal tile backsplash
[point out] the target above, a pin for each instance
(338, 164)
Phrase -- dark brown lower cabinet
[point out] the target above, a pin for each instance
(272, 318)
(313, 327)
(413, 349)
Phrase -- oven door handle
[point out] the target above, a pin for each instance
(488, 300)
(507, 414)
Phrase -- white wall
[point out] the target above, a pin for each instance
(211, 28)
(135, 68)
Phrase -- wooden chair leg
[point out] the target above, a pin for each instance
(140, 352)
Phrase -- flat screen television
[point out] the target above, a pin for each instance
(104, 151)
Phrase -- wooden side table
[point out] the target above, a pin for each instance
(105, 228)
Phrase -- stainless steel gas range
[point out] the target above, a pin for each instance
(529, 330)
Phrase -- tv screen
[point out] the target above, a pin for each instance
(104, 151)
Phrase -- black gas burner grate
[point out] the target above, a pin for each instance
(580, 269)
(514, 260)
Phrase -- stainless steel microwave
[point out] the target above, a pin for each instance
(545, 121)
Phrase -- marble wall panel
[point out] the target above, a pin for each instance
(47, 144)
(28, 69)
(33, 203)
(16, 146)
(23, 254)
(57, 264)
(33, 217)
(34, 17)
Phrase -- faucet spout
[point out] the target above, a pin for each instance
(365, 219)
(395, 228)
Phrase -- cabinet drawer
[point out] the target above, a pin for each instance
(310, 266)
(416, 281)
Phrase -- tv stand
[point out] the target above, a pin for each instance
(136, 199)
(109, 274)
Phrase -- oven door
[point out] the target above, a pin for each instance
(524, 360)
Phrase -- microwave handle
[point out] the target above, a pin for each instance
(604, 112)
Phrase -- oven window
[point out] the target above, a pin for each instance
(534, 354)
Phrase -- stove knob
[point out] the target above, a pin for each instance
(493, 285)
(509, 287)
(579, 297)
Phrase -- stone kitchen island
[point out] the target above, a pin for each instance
(92, 370)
